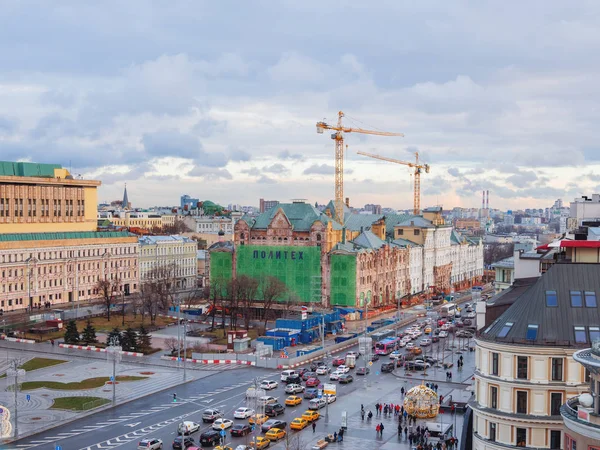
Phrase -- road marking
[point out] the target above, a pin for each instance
(133, 424)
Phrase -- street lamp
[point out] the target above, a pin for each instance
(19, 375)
(114, 352)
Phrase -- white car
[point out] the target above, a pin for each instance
(353, 353)
(471, 315)
(150, 444)
(268, 385)
(402, 343)
(330, 398)
(443, 334)
(323, 370)
(188, 427)
(409, 345)
(266, 400)
(425, 342)
(222, 424)
(396, 355)
(343, 369)
(335, 375)
(294, 388)
(243, 413)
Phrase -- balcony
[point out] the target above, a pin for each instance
(569, 411)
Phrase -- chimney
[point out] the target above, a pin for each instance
(487, 199)
(343, 235)
(483, 201)
(348, 202)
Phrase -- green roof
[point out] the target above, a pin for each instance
(9, 237)
(300, 215)
(25, 169)
(354, 222)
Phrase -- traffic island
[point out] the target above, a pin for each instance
(78, 403)
(89, 383)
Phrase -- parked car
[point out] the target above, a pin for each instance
(210, 438)
(387, 367)
(241, 429)
(210, 415)
(273, 423)
(294, 389)
(346, 378)
(312, 382)
(243, 413)
(417, 365)
(150, 444)
(363, 371)
(311, 393)
(274, 409)
(268, 385)
(183, 442)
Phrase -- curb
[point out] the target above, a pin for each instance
(291, 366)
(211, 361)
(24, 341)
(96, 349)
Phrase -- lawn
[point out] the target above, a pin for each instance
(38, 363)
(78, 403)
(89, 383)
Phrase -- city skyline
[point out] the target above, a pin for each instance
(190, 102)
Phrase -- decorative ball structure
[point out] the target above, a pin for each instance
(422, 402)
(586, 400)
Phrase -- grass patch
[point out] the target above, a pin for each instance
(89, 383)
(38, 363)
(78, 403)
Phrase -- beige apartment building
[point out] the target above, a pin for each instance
(50, 250)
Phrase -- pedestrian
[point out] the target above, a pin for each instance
(381, 427)
(335, 436)
(314, 426)
(405, 432)
(402, 391)
(377, 430)
(362, 414)
(341, 434)
(52, 342)
(436, 387)
(376, 409)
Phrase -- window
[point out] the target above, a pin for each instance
(417, 232)
(495, 365)
(557, 369)
(580, 336)
(521, 437)
(400, 232)
(576, 300)
(494, 397)
(505, 329)
(522, 367)
(521, 402)
(555, 403)
(551, 298)
(532, 332)
(594, 333)
(570, 443)
(492, 433)
(590, 299)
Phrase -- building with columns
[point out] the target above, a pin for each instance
(169, 257)
(527, 364)
(50, 251)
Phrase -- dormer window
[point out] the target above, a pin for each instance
(505, 329)
(551, 299)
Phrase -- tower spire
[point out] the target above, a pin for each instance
(125, 203)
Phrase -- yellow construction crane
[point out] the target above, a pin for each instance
(418, 169)
(338, 136)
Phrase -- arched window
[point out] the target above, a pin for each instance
(318, 238)
(242, 236)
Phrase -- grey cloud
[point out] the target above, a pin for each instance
(207, 127)
(319, 169)
(275, 169)
(176, 144)
(286, 154)
(592, 177)
(54, 126)
(252, 171)
(7, 125)
(210, 173)
(522, 179)
(266, 180)
(454, 172)
(236, 154)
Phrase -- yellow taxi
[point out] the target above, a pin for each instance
(310, 416)
(274, 434)
(258, 419)
(299, 423)
(416, 350)
(427, 330)
(261, 442)
(293, 400)
(227, 447)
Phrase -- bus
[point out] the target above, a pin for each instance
(448, 310)
(387, 346)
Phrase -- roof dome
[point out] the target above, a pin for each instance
(422, 402)
(596, 348)
(221, 233)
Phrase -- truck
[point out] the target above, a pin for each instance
(351, 361)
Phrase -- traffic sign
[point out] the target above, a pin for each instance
(329, 389)
(112, 378)
(28, 397)
(223, 433)
(370, 363)
(320, 393)
(58, 447)
(376, 373)
(222, 426)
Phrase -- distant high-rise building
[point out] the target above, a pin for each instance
(375, 209)
(266, 205)
(188, 201)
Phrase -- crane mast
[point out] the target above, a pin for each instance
(338, 136)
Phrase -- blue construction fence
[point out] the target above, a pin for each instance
(305, 331)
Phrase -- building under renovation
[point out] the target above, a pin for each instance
(380, 259)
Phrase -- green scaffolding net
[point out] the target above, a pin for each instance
(343, 280)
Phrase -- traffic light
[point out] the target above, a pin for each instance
(174, 398)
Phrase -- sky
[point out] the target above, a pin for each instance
(219, 99)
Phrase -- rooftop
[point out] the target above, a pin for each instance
(152, 240)
(9, 237)
(26, 169)
(506, 263)
(301, 216)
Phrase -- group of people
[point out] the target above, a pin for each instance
(388, 409)
(432, 386)
(47, 305)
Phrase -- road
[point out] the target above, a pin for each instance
(157, 415)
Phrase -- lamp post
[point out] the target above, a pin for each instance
(114, 352)
(18, 375)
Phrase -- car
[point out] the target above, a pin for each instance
(459, 323)
(274, 434)
(311, 415)
(425, 342)
(273, 423)
(443, 334)
(210, 415)
(374, 357)
(222, 424)
(302, 371)
(210, 438)
(294, 389)
(435, 339)
(312, 382)
(315, 364)
(363, 371)
(429, 359)
(323, 370)
(402, 343)
(428, 330)
(346, 378)
(183, 442)
(311, 393)
(268, 385)
(243, 447)
(441, 322)
(417, 365)
(330, 398)
(251, 392)
(468, 322)
(274, 409)
(353, 353)
(241, 429)
(219, 447)
(293, 379)
(409, 345)
(150, 444)
(338, 362)
(293, 400)
(343, 369)
(307, 375)
(416, 350)
(188, 427)
(266, 400)
(299, 423)
(259, 443)
(464, 334)
(258, 419)
(387, 367)
(317, 403)
(243, 413)
(396, 354)
(471, 315)
(335, 376)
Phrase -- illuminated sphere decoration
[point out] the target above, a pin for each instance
(422, 402)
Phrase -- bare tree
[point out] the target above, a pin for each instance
(272, 289)
(248, 289)
(173, 344)
(107, 289)
(215, 293)
(496, 251)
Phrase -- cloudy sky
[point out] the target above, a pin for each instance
(219, 99)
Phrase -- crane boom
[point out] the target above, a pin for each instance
(418, 169)
(338, 136)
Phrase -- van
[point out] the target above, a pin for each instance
(287, 373)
